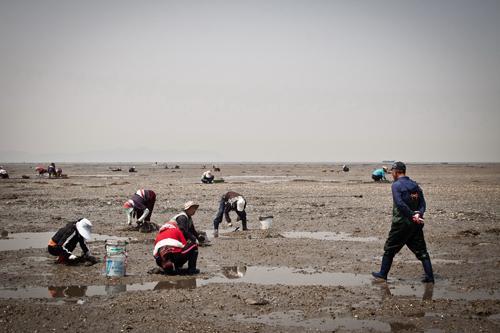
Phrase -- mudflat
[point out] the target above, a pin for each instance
(309, 272)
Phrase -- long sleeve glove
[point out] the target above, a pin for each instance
(141, 219)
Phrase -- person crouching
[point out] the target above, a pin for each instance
(141, 205)
(63, 243)
(207, 177)
(172, 251)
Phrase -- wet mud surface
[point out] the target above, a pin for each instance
(309, 272)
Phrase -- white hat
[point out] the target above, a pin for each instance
(240, 204)
(84, 228)
(189, 204)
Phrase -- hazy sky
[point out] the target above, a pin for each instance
(250, 80)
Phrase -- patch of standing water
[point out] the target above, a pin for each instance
(296, 318)
(288, 276)
(39, 240)
(326, 235)
(262, 178)
(264, 276)
(103, 290)
(442, 291)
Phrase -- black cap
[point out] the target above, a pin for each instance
(400, 166)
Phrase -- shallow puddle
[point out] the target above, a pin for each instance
(266, 276)
(442, 290)
(39, 240)
(104, 290)
(287, 276)
(327, 235)
(296, 318)
(262, 178)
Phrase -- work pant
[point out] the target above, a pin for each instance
(411, 235)
(376, 178)
(188, 254)
(220, 213)
(206, 180)
(242, 216)
(59, 251)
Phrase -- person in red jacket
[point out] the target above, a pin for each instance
(172, 250)
(141, 205)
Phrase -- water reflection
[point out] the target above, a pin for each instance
(385, 290)
(234, 272)
(189, 283)
(67, 291)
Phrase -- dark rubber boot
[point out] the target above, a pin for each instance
(429, 275)
(244, 225)
(384, 268)
(193, 258)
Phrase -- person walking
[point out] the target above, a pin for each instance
(407, 223)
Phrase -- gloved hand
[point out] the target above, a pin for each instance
(417, 219)
(72, 257)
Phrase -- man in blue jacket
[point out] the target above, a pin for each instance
(407, 223)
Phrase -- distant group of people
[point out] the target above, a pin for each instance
(177, 240)
(51, 170)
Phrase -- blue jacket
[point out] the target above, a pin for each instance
(379, 173)
(408, 198)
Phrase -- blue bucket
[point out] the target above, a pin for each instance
(116, 265)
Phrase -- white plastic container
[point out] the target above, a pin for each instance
(116, 258)
(116, 265)
(266, 222)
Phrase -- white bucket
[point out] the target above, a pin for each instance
(266, 222)
(116, 257)
(116, 265)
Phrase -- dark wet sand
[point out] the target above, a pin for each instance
(320, 282)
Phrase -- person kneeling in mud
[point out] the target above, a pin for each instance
(141, 205)
(207, 177)
(63, 243)
(231, 201)
(172, 249)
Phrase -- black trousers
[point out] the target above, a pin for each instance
(180, 258)
(411, 235)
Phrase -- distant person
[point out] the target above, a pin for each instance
(379, 174)
(345, 168)
(141, 206)
(132, 169)
(231, 201)
(59, 172)
(51, 170)
(3, 173)
(177, 243)
(64, 241)
(207, 177)
(41, 170)
(407, 223)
